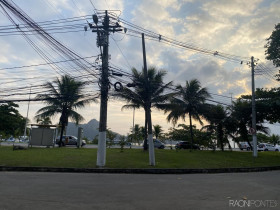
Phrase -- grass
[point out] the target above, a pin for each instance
(134, 158)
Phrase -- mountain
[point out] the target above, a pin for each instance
(90, 129)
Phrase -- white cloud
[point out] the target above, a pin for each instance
(235, 27)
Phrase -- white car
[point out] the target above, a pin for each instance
(11, 139)
(266, 147)
(244, 145)
(157, 144)
(277, 148)
(70, 140)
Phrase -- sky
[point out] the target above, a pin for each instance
(238, 28)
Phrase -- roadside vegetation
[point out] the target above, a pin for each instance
(134, 158)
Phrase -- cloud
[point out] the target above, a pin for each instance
(235, 27)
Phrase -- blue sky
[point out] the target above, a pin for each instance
(234, 27)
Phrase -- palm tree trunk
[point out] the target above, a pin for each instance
(61, 135)
(244, 134)
(191, 131)
(230, 148)
(220, 136)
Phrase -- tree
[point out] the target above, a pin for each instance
(44, 121)
(241, 116)
(217, 116)
(267, 104)
(145, 94)
(157, 131)
(273, 46)
(63, 97)
(111, 136)
(11, 121)
(275, 139)
(190, 100)
(182, 133)
(137, 133)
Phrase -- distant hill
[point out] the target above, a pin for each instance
(90, 129)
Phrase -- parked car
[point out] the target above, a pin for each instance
(277, 148)
(23, 139)
(157, 144)
(186, 145)
(128, 144)
(69, 140)
(266, 147)
(244, 145)
(11, 139)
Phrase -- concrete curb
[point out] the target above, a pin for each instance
(140, 170)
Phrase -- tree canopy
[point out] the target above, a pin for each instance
(273, 46)
(64, 97)
(12, 122)
(145, 94)
(189, 100)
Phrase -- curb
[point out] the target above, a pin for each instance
(140, 170)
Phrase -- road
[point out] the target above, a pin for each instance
(38, 190)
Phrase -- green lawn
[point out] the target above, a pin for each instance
(134, 158)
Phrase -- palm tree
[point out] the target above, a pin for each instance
(136, 133)
(275, 139)
(157, 131)
(111, 136)
(63, 97)
(145, 94)
(189, 100)
(218, 118)
(241, 114)
(44, 121)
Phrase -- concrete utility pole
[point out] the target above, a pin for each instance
(148, 110)
(254, 127)
(103, 41)
(24, 134)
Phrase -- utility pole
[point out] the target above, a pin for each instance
(254, 127)
(148, 110)
(102, 31)
(27, 115)
(231, 107)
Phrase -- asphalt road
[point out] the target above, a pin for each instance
(29, 190)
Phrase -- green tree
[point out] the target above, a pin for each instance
(137, 134)
(11, 121)
(267, 104)
(182, 133)
(179, 134)
(241, 116)
(190, 100)
(157, 131)
(152, 91)
(122, 142)
(218, 118)
(64, 96)
(95, 140)
(275, 139)
(111, 136)
(44, 121)
(273, 46)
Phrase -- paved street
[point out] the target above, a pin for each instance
(29, 190)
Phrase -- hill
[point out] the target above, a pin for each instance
(90, 129)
